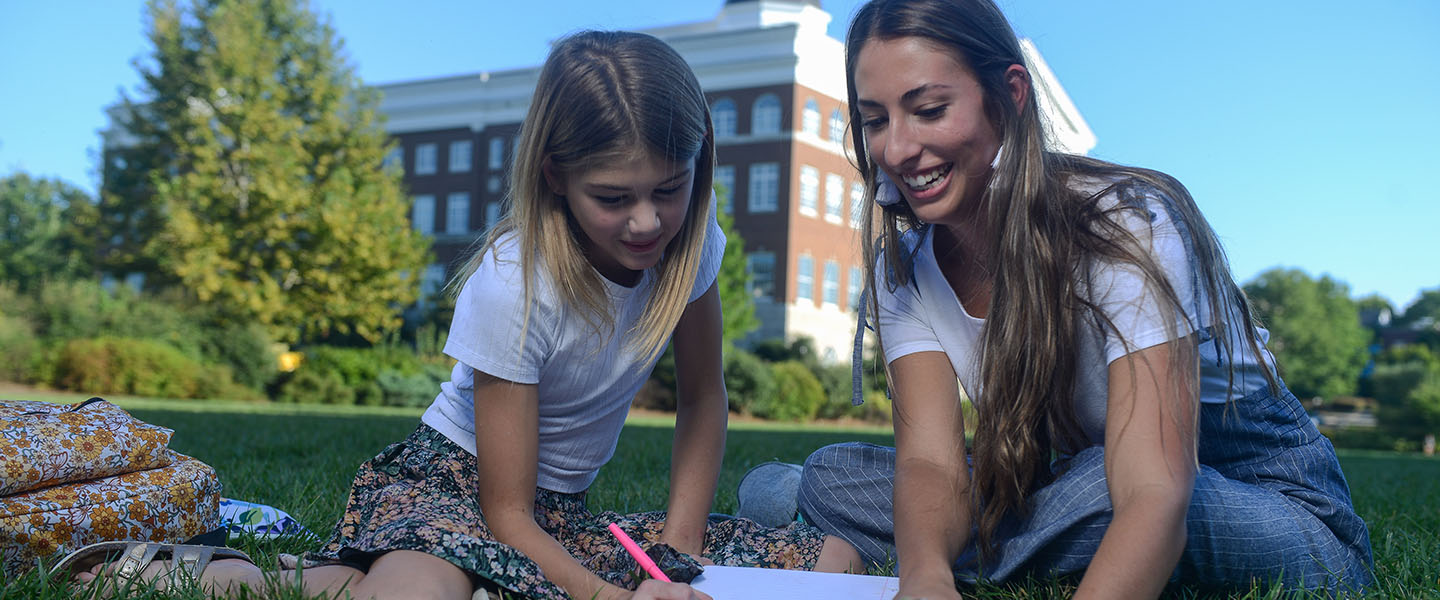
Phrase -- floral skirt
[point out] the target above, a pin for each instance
(420, 494)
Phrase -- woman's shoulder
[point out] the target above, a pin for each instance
(1116, 189)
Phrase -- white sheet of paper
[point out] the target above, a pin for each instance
(747, 583)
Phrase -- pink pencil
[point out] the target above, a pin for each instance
(640, 556)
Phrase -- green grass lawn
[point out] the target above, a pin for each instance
(301, 459)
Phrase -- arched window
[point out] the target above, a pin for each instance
(766, 117)
(810, 118)
(723, 115)
(837, 126)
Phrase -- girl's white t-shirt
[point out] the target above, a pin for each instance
(926, 316)
(585, 381)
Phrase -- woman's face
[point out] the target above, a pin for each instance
(925, 126)
(628, 210)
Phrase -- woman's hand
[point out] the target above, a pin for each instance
(929, 591)
(654, 589)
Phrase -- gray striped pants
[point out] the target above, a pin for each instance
(1270, 503)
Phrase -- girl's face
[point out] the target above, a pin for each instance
(628, 210)
(925, 126)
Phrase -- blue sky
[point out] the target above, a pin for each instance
(1306, 130)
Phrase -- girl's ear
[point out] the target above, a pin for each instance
(552, 178)
(1018, 80)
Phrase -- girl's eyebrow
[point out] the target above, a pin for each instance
(908, 96)
(620, 188)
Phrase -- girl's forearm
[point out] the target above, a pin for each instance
(696, 454)
(523, 534)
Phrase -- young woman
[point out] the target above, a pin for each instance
(1131, 426)
(610, 251)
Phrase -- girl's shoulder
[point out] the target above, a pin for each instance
(500, 274)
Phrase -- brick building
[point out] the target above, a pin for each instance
(776, 83)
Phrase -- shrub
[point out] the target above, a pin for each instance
(68, 310)
(836, 379)
(798, 394)
(18, 347)
(133, 366)
(877, 407)
(658, 393)
(747, 379)
(245, 348)
(399, 389)
(316, 387)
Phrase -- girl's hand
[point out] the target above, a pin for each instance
(704, 562)
(654, 589)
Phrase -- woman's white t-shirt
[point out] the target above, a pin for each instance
(926, 315)
(585, 381)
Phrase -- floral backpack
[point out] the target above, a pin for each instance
(72, 475)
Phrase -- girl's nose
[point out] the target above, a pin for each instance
(645, 218)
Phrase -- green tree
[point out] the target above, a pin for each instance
(1406, 383)
(737, 304)
(1315, 331)
(39, 231)
(263, 152)
(1423, 315)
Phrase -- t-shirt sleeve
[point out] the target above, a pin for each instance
(902, 320)
(489, 332)
(710, 257)
(1138, 311)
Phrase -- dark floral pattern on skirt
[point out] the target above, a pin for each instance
(419, 495)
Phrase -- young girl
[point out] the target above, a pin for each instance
(610, 250)
(1088, 311)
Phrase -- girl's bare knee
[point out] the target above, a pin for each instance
(411, 574)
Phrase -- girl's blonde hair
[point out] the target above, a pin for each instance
(604, 96)
(1046, 237)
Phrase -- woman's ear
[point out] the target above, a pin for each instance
(1017, 78)
(552, 178)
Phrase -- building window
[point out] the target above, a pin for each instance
(460, 156)
(834, 198)
(853, 287)
(809, 190)
(395, 158)
(492, 184)
(722, 114)
(432, 281)
(837, 126)
(830, 286)
(725, 187)
(761, 266)
(764, 190)
(497, 153)
(425, 159)
(766, 116)
(492, 214)
(857, 204)
(805, 279)
(810, 118)
(457, 213)
(422, 213)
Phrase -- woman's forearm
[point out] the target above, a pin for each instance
(931, 523)
(1140, 549)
